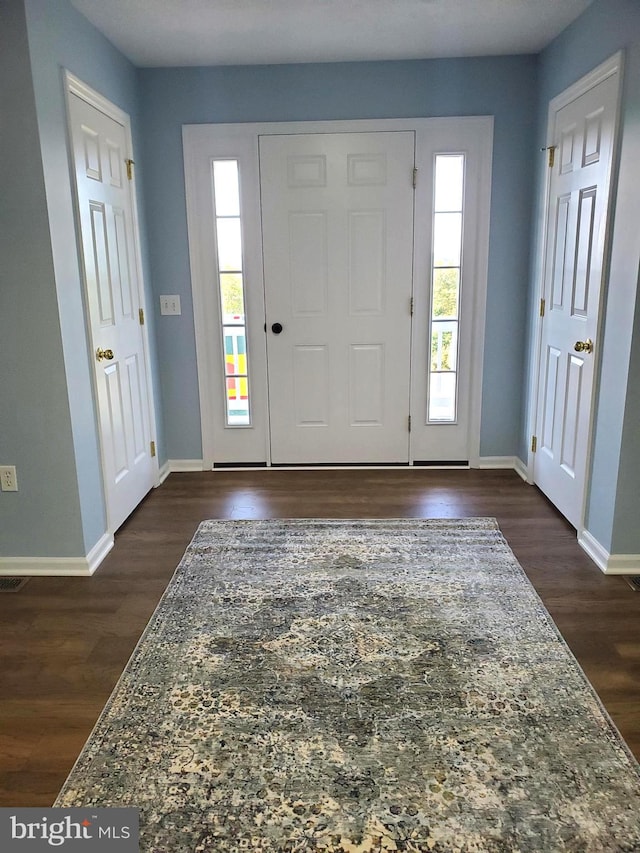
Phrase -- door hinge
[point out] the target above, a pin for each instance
(534, 443)
(552, 155)
(141, 316)
(542, 307)
(409, 423)
(415, 178)
(129, 163)
(153, 449)
(411, 307)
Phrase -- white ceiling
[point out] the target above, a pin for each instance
(156, 33)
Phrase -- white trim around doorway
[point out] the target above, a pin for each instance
(613, 65)
(75, 86)
(202, 143)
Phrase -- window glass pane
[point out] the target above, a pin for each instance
(235, 351)
(226, 186)
(446, 286)
(442, 397)
(229, 245)
(225, 180)
(232, 296)
(444, 345)
(237, 402)
(449, 182)
(447, 238)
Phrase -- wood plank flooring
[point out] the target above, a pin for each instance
(65, 641)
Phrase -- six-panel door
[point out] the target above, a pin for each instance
(106, 225)
(337, 219)
(577, 214)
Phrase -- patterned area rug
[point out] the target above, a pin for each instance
(357, 687)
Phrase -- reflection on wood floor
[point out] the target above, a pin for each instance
(65, 641)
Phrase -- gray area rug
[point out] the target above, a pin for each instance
(358, 686)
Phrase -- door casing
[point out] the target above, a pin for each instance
(472, 135)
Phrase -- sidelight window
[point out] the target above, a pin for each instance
(228, 227)
(445, 287)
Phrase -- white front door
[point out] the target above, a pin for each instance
(582, 134)
(110, 271)
(337, 222)
(317, 227)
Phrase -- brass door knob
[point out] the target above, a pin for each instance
(583, 346)
(104, 353)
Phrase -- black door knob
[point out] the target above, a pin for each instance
(276, 328)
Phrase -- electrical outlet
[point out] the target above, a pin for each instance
(8, 478)
(170, 305)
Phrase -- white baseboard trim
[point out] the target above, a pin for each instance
(184, 466)
(609, 564)
(523, 471)
(513, 463)
(594, 549)
(57, 566)
(624, 564)
(163, 472)
(99, 551)
(496, 462)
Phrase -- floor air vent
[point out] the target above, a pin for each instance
(12, 584)
(634, 582)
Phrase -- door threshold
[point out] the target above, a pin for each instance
(345, 466)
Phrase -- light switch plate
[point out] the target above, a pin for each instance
(170, 304)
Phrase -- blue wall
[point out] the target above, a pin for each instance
(43, 517)
(503, 87)
(606, 27)
(50, 430)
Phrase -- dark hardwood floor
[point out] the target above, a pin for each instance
(65, 641)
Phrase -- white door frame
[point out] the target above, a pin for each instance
(203, 142)
(611, 66)
(74, 86)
